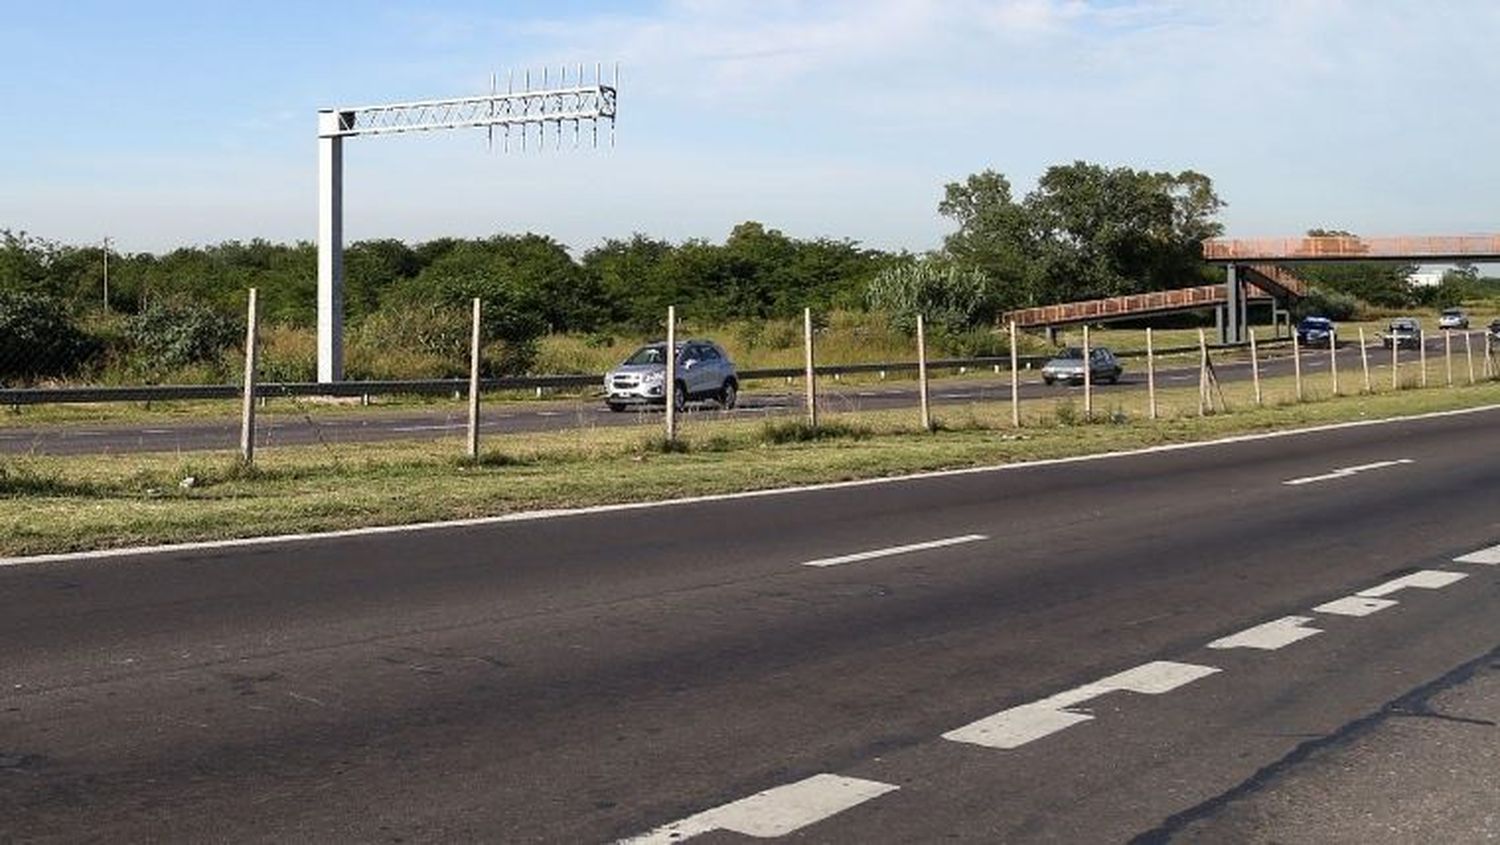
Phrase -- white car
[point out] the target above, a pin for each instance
(1453, 318)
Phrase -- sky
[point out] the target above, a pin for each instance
(166, 124)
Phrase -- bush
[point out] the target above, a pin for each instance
(950, 298)
(412, 341)
(38, 339)
(1331, 304)
(171, 336)
(779, 432)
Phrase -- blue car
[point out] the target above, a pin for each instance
(1317, 331)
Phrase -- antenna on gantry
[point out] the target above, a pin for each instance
(489, 131)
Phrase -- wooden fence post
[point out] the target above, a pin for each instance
(1297, 365)
(1255, 370)
(810, 375)
(1150, 374)
(1015, 380)
(922, 373)
(1088, 376)
(669, 384)
(1364, 358)
(1333, 359)
(474, 358)
(1469, 353)
(252, 362)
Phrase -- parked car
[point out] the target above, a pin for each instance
(704, 371)
(1453, 318)
(1068, 366)
(1495, 330)
(1402, 332)
(1316, 331)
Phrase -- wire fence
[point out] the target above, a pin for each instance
(1133, 374)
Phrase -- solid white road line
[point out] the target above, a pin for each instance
(896, 550)
(1426, 579)
(1489, 556)
(1345, 472)
(1270, 636)
(1029, 722)
(561, 513)
(1355, 606)
(443, 427)
(775, 812)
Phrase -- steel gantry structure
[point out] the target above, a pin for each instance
(580, 104)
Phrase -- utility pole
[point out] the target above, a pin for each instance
(106, 274)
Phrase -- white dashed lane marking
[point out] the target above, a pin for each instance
(1426, 579)
(1489, 556)
(1270, 636)
(1019, 725)
(775, 812)
(896, 550)
(787, 809)
(1355, 606)
(1345, 472)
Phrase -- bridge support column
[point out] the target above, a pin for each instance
(1232, 323)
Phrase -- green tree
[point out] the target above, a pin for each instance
(1085, 231)
(38, 338)
(373, 267)
(994, 235)
(1110, 231)
(632, 278)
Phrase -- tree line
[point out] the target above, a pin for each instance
(1085, 231)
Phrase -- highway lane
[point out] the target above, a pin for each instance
(280, 428)
(599, 676)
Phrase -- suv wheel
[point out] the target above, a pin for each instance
(680, 397)
(617, 407)
(728, 395)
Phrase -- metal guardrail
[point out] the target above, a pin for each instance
(433, 387)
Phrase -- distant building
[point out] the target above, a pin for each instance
(1426, 278)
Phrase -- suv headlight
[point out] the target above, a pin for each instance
(656, 377)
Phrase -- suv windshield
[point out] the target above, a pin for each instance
(649, 355)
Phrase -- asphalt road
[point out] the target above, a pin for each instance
(1066, 652)
(282, 428)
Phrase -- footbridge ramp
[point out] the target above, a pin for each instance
(1262, 282)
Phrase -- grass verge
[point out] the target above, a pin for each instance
(53, 504)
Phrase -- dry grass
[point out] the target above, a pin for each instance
(57, 504)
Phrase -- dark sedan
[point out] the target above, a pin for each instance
(1316, 331)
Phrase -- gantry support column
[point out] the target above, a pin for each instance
(1232, 327)
(330, 248)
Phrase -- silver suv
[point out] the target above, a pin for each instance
(1403, 331)
(704, 371)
